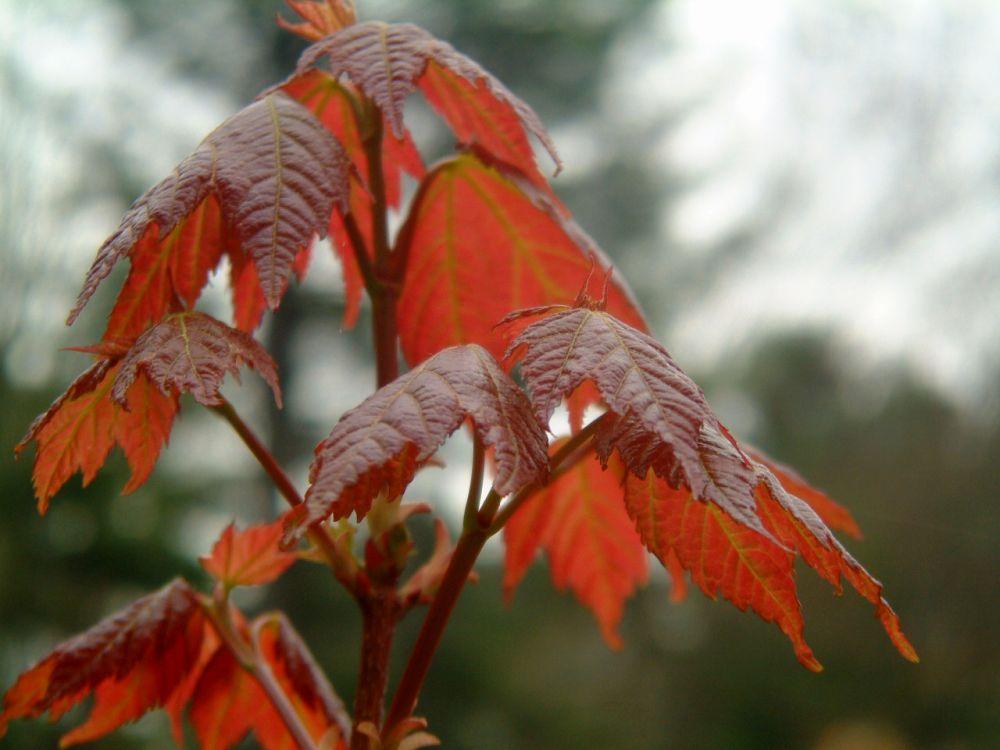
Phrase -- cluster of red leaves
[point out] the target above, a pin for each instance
(325, 153)
(129, 397)
(696, 496)
(164, 650)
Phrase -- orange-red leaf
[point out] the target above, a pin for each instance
(168, 271)
(377, 446)
(592, 545)
(480, 243)
(134, 660)
(834, 515)
(250, 557)
(228, 701)
(721, 555)
(302, 680)
(751, 569)
(319, 17)
(276, 173)
(81, 427)
(480, 118)
(389, 61)
(191, 352)
(800, 528)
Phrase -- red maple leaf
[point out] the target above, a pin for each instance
(319, 17)
(388, 62)
(693, 491)
(377, 446)
(78, 431)
(250, 557)
(276, 174)
(191, 352)
(228, 701)
(479, 242)
(133, 660)
(591, 543)
(336, 104)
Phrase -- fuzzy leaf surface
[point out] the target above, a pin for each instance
(635, 375)
(336, 105)
(191, 352)
(250, 557)
(276, 173)
(134, 660)
(592, 545)
(377, 446)
(481, 242)
(388, 62)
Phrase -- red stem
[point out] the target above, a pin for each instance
(380, 612)
(249, 658)
(387, 278)
(285, 488)
(380, 606)
(487, 523)
(462, 560)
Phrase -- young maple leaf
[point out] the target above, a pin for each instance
(634, 374)
(228, 701)
(319, 17)
(276, 174)
(752, 570)
(833, 514)
(335, 104)
(251, 557)
(474, 227)
(78, 431)
(388, 62)
(168, 270)
(591, 543)
(693, 491)
(191, 352)
(134, 660)
(377, 446)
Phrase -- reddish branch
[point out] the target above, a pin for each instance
(249, 658)
(285, 487)
(470, 544)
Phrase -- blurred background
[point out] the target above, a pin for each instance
(804, 196)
